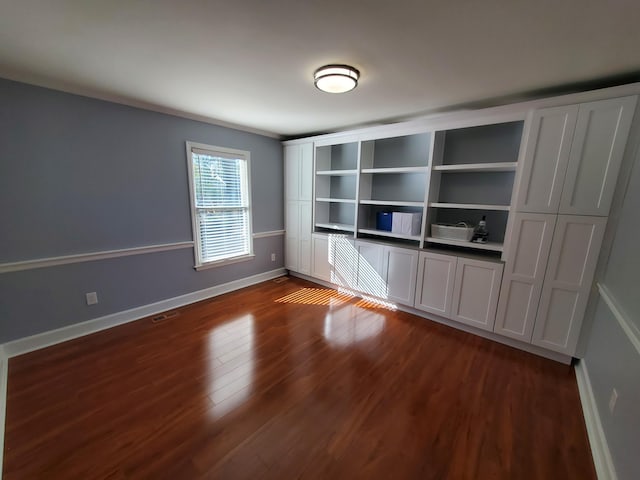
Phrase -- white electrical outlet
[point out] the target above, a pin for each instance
(92, 298)
(273, 257)
(612, 400)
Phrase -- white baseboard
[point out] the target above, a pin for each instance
(602, 460)
(4, 375)
(46, 339)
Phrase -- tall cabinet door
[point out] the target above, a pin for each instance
(401, 268)
(572, 263)
(475, 293)
(292, 172)
(523, 274)
(596, 154)
(545, 159)
(305, 179)
(436, 278)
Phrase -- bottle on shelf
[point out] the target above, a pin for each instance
(481, 234)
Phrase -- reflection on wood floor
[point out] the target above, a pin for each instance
(286, 380)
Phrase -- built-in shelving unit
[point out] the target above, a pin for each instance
(336, 184)
(472, 175)
(393, 178)
(446, 176)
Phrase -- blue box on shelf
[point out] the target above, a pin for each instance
(384, 221)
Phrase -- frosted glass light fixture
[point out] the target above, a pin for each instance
(336, 78)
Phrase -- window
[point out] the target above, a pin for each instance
(219, 180)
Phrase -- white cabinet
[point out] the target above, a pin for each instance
(459, 288)
(436, 277)
(321, 257)
(596, 154)
(298, 163)
(523, 274)
(475, 293)
(372, 275)
(545, 159)
(387, 272)
(573, 156)
(572, 262)
(401, 270)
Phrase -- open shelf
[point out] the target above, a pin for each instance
(336, 200)
(386, 233)
(392, 203)
(395, 170)
(336, 173)
(470, 206)
(478, 167)
(492, 246)
(336, 226)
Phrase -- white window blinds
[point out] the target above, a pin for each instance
(221, 203)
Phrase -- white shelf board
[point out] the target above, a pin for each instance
(336, 173)
(493, 246)
(391, 203)
(385, 233)
(336, 226)
(478, 167)
(395, 170)
(470, 206)
(335, 200)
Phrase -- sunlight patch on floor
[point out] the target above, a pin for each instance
(316, 296)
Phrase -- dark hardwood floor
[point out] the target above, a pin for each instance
(314, 385)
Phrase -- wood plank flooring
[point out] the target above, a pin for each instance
(289, 380)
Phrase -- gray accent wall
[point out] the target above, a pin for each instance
(79, 175)
(611, 359)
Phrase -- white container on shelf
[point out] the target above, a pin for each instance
(406, 223)
(459, 231)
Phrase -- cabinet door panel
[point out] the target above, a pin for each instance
(372, 278)
(305, 191)
(292, 228)
(572, 263)
(436, 278)
(596, 154)
(545, 160)
(402, 269)
(304, 235)
(343, 257)
(292, 172)
(523, 274)
(321, 257)
(476, 291)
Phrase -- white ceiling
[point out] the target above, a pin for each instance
(250, 62)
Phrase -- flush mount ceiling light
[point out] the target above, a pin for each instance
(336, 78)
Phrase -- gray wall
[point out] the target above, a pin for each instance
(80, 175)
(611, 359)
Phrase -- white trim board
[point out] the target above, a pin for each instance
(89, 257)
(123, 252)
(272, 233)
(605, 469)
(52, 337)
(627, 326)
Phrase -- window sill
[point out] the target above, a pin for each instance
(222, 263)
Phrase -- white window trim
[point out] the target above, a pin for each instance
(194, 224)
